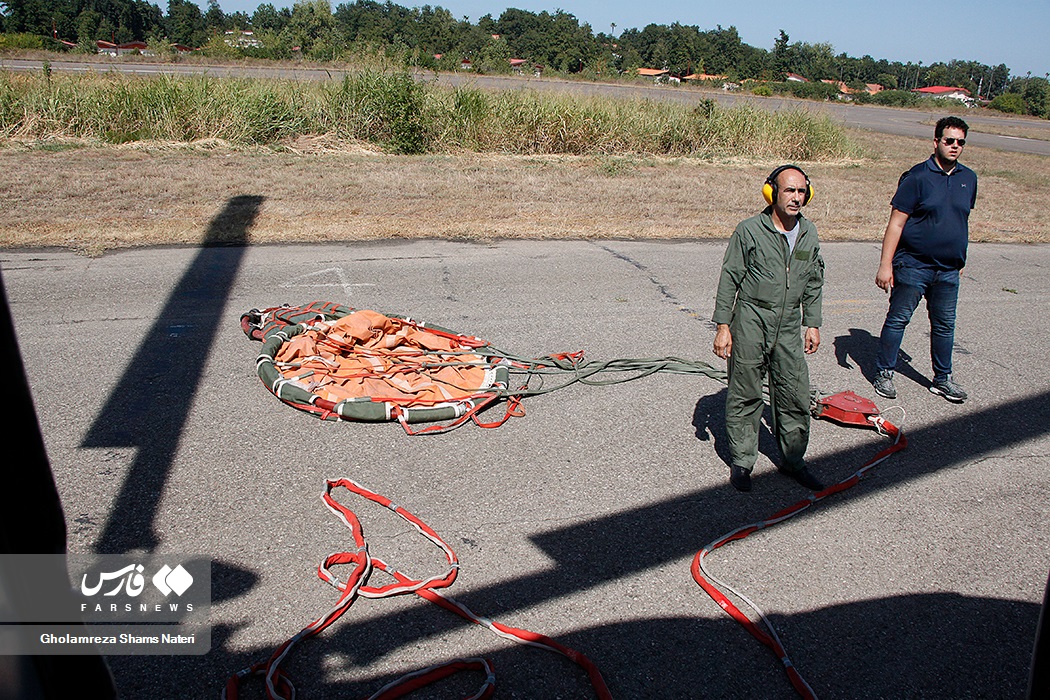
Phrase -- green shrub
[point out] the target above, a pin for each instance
(811, 91)
(762, 91)
(385, 108)
(1010, 102)
(20, 40)
(216, 47)
(895, 98)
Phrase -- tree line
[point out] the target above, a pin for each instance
(430, 37)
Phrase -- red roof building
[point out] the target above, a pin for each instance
(943, 91)
(112, 49)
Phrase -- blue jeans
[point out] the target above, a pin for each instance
(910, 284)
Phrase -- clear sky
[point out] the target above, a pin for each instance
(1014, 32)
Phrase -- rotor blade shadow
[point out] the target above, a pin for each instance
(149, 406)
(678, 657)
(931, 645)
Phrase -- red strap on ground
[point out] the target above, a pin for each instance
(361, 565)
(768, 636)
(414, 681)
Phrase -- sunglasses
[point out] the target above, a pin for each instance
(949, 141)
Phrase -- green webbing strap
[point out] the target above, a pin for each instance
(588, 372)
(585, 373)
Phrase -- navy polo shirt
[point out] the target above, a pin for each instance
(938, 207)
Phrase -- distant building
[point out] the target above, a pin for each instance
(870, 88)
(795, 78)
(110, 49)
(655, 73)
(843, 88)
(242, 40)
(705, 76)
(944, 92)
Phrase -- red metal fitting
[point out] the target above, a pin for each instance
(847, 408)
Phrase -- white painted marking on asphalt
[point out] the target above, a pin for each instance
(311, 280)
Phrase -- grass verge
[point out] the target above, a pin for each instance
(92, 198)
(397, 114)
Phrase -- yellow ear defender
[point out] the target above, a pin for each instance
(769, 189)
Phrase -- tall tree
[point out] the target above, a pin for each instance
(186, 23)
(215, 18)
(782, 54)
(311, 24)
(267, 17)
(29, 16)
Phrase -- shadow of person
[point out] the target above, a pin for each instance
(860, 346)
(709, 421)
(863, 347)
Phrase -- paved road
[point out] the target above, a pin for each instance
(578, 520)
(899, 122)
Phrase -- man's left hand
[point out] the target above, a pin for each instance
(812, 340)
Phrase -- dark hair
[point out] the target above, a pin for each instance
(949, 123)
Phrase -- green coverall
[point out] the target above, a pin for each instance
(766, 294)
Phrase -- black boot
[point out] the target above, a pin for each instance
(805, 477)
(740, 478)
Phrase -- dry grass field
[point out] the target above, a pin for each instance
(95, 198)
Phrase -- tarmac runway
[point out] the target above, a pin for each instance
(578, 520)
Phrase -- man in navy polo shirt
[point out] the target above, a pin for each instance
(923, 252)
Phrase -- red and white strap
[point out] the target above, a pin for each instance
(362, 564)
(713, 587)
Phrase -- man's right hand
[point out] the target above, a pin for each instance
(884, 277)
(890, 241)
(723, 341)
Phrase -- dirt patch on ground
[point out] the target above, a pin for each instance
(93, 198)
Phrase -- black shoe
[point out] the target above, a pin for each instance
(804, 477)
(883, 384)
(948, 389)
(740, 478)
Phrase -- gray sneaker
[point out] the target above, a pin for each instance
(883, 384)
(948, 389)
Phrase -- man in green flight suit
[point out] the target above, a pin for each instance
(770, 287)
